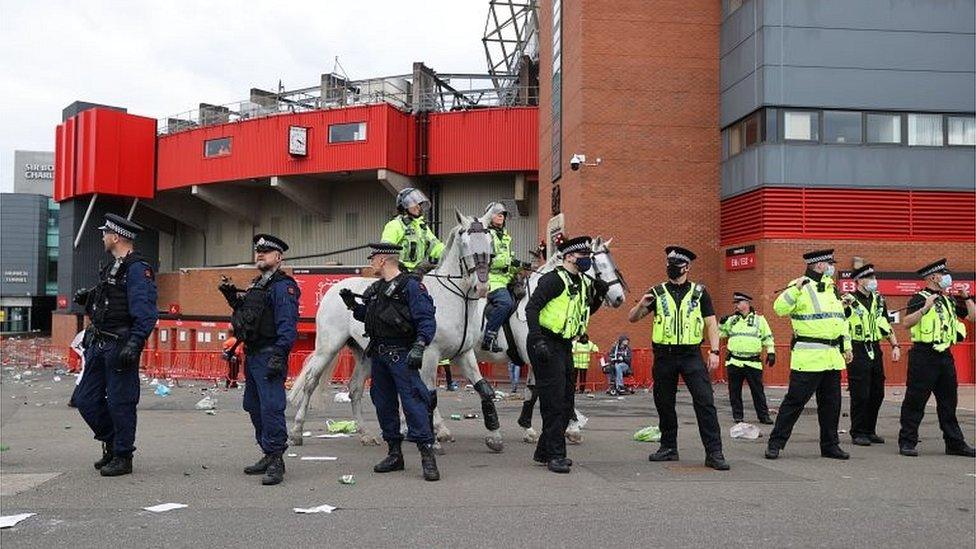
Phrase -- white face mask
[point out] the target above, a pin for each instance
(829, 271)
(871, 285)
(946, 281)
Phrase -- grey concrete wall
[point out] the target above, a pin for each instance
(23, 244)
(915, 55)
(879, 167)
(34, 172)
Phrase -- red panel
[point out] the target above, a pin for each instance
(401, 142)
(849, 214)
(116, 154)
(259, 147)
(488, 140)
(64, 161)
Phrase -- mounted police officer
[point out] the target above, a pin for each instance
(502, 271)
(265, 318)
(748, 333)
(821, 347)
(420, 249)
(934, 322)
(399, 317)
(683, 315)
(123, 311)
(867, 317)
(558, 311)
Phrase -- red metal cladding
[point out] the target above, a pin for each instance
(488, 140)
(259, 148)
(64, 160)
(106, 151)
(842, 214)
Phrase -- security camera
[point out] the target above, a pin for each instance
(579, 160)
(576, 161)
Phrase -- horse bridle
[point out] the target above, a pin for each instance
(620, 277)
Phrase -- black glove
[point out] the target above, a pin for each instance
(540, 349)
(81, 296)
(131, 353)
(415, 358)
(770, 359)
(724, 319)
(348, 298)
(600, 287)
(276, 367)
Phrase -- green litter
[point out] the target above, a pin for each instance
(341, 426)
(347, 479)
(456, 417)
(4, 447)
(648, 434)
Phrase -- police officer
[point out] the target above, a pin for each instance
(265, 318)
(399, 317)
(748, 333)
(867, 319)
(933, 319)
(821, 347)
(501, 272)
(557, 312)
(420, 249)
(122, 308)
(683, 312)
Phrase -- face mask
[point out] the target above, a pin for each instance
(584, 264)
(945, 282)
(674, 271)
(871, 285)
(829, 271)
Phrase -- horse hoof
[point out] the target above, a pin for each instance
(367, 439)
(574, 437)
(530, 436)
(445, 436)
(496, 445)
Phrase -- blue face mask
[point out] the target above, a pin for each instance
(584, 264)
(946, 281)
(871, 285)
(829, 271)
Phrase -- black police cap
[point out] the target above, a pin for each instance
(121, 226)
(269, 243)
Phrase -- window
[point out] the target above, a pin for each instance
(842, 127)
(347, 133)
(735, 140)
(800, 126)
(216, 147)
(925, 130)
(884, 128)
(962, 130)
(745, 133)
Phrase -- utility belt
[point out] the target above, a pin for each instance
(664, 349)
(837, 342)
(94, 336)
(930, 347)
(260, 351)
(392, 348)
(746, 358)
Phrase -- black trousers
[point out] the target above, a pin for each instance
(803, 385)
(554, 384)
(752, 376)
(930, 372)
(691, 367)
(865, 381)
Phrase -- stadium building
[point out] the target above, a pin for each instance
(748, 131)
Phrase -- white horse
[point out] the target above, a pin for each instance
(456, 286)
(604, 269)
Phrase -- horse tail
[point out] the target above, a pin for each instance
(298, 387)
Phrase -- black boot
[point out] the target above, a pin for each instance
(772, 452)
(716, 460)
(107, 455)
(488, 343)
(834, 452)
(275, 473)
(120, 465)
(427, 461)
(909, 451)
(664, 454)
(961, 449)
(875, 439)
(559, 465)
(766, 420)
(260, 467)
(860, 441)
(488, 410)
(393, 460)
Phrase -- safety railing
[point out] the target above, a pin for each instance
(209, 364)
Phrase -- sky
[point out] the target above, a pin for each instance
(162, 58)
